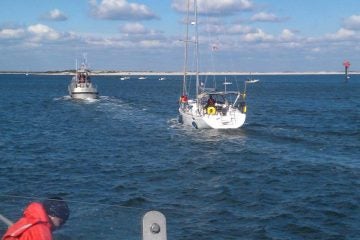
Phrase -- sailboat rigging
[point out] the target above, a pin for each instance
(209, 108)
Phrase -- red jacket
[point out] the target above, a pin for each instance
(34, 225)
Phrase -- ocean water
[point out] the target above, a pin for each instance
(291, 172)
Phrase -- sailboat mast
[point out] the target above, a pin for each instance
(184, 91)
(196, 48)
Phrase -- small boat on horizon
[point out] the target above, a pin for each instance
(162, 79)
(124, 78)
(81, 86)
(252, 80)
(142, 78)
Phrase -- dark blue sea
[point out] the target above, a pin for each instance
(291, 172)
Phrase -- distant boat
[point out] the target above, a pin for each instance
(142, 78)
(252, 80)
(208, 108)
(124, 78)
(162, 79)
(81, 86)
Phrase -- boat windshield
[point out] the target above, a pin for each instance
(219, 97)
(83, 77)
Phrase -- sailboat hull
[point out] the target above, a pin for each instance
(190, 116)
(193, 120)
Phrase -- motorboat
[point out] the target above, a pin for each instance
(81, 86)
(252, 80)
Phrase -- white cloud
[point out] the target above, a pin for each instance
(286, 35)
(265, 17)
(353, 22)
(105, 42)
(228, 29)
(127, 43)
(11, 33)
(257, 36)
(120, 10)
(342, 34)
(40, 31)
(239, 29)
(134, 28)
(215, 6)
(215, 29)
(136, 36)
(55, 15)
(150, 43)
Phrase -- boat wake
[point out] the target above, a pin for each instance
(69, 98)
(207, 135)
(123, 110)
(63, 98)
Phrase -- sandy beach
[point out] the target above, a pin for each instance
(155, 73)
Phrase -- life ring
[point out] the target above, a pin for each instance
(211, 110)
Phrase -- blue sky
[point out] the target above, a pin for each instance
(145, 35)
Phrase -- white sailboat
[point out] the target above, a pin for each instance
(209, 108)
(81, 86)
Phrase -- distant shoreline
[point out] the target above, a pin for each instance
(150, 73)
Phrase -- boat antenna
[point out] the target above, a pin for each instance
(84, 63)
(225, 83)
(184, 92)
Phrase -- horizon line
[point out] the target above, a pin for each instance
(136, 73)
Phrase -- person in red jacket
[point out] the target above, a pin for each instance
(39, 220)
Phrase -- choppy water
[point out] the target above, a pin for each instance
(292, 172)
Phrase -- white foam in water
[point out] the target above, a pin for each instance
(91, 100)
(67, 97)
